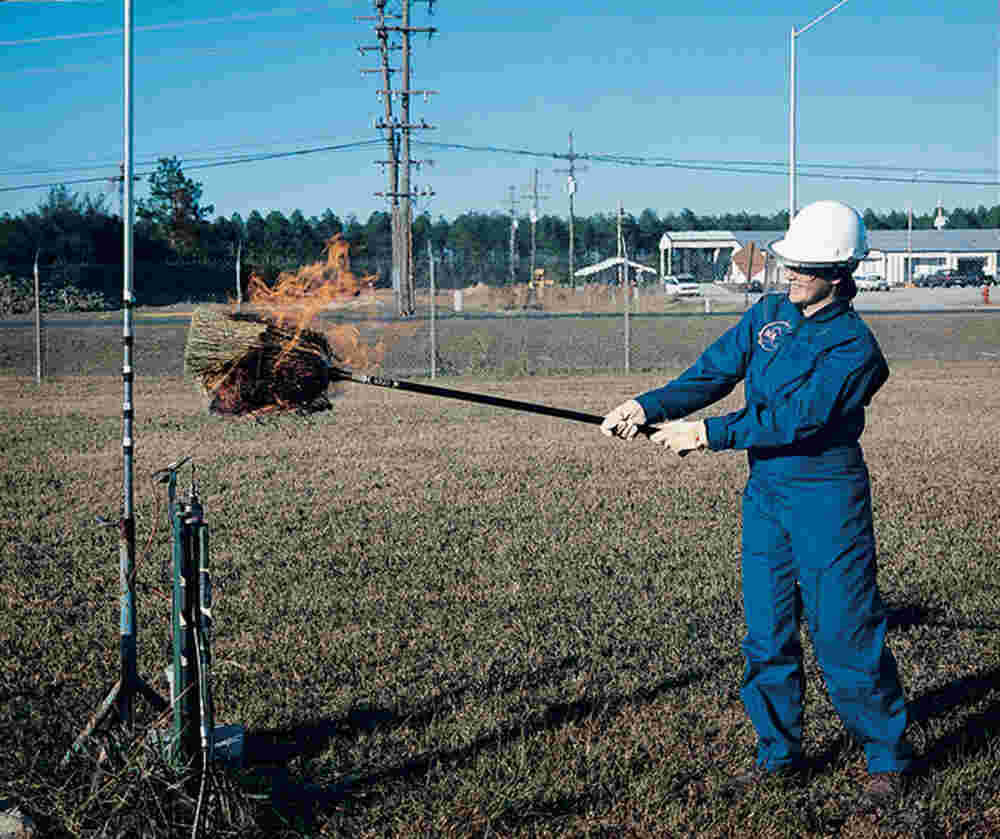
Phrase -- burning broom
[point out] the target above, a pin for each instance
(250, 363)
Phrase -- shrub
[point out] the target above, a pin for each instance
(17, 297)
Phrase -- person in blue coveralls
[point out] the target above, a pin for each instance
(810, 367)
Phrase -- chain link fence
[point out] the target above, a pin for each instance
(498, 332)
(520, 330)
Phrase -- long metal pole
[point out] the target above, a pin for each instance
(129, 676)
(480, 398)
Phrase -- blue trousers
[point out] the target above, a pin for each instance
(809, 547)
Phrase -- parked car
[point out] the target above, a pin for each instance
(873, 282)
(681, 285)
(935, 279)
(972, 278)
(952, 278)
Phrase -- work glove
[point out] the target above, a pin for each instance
(622, 421)
(681, 436)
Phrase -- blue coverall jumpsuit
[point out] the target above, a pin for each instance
(808, 540)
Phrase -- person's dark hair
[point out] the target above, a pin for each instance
(847, 289)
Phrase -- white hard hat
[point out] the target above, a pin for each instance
(823, 234)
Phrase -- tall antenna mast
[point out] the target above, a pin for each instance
(129, 665)
(122, 695)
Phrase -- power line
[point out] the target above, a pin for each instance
(155, 27)
(255, 158)
(725, 167)
(712, 165)
(720, 166)
(743, 170)
(185, 155)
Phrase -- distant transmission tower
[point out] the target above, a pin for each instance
(397, 135)
(571, 189)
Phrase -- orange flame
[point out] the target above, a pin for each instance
(296, 298)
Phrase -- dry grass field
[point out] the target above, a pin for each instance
(438, 619)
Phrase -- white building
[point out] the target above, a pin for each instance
(901, 256)
(898, 255)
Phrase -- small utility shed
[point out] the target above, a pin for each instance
(719, 255)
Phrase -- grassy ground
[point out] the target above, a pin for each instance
(451, 620)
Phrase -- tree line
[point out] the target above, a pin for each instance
(82, 235)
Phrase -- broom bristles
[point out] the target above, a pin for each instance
(218, 340)
(247, 362)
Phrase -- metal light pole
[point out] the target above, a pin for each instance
(791, 108)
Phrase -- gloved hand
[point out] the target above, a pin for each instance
(622, 421)
(682, 436)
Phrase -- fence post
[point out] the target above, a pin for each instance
(239, 284)
(430, 259)
(38, 325)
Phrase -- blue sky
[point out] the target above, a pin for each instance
(910, 88)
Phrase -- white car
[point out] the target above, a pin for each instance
(681, 285)
(872, 283)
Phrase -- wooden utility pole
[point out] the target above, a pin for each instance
(120, 181)
(387, 124)
(513, 235)
(405, 210)
(38, 323)
(239, 282)
(535, 197)
(397, 132)
(623, 281)
(571, 189)
(430, 268)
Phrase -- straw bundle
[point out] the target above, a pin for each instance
(245, 362)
